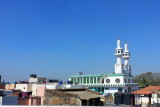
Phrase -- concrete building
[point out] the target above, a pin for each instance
(6, 98)
(73, 97)
(34, 79)
(6, 92)
(120, 81)
(146, 97)
(24, 87)
(9, 86)
(30, 101)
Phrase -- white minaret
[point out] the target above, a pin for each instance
(126, 57)
(119, 54)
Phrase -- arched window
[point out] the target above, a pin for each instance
(84, 80)
(125, 81)
(120, 90)
(106, 88)
(132, 81)
(128, 80)
(94, 80)
(125, 91)
(87, 80)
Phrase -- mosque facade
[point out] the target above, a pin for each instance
(120, 81)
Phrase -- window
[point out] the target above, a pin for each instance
(125, 81)
(129, 81)
(132, 81)
(120, 90)
(107, 80)
(106, 88)
(117, 80)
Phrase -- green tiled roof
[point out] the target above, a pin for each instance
(112, 75)
(101, 75)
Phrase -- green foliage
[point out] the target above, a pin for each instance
(148, 79)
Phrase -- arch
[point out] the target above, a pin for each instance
(120, 90)
(132, 80)
(94, 80)
(125, 81)
(84, 80)
(87, 80)
(125, 91)
(129, 81)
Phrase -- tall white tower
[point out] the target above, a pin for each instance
(126, 57)
(119, 54)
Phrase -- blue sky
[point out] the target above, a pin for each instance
(59, 38)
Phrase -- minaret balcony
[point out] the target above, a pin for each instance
(118, 54)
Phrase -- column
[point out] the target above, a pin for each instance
(76, 81)
(93, 80)
(89, 80)
(82, 80)
(96, 80)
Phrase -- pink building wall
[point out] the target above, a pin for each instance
(24, 101)
(30, 101)
(41, 91)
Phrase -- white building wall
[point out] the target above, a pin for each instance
(34, 89)
(51, 86)
(31, 79)
(112, 80)
(113, 90)
(0, 100)
(72, 86)
(144, 100)
(24, 87)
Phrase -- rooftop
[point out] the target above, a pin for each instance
(147, 90)
(83, 93)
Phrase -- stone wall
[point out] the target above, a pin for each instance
(61, 98)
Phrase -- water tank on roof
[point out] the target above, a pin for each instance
(31, 75)
(118, 98)
(50, 80)
(68, 82)
(60, 82)
(34, 76)
(127, 99)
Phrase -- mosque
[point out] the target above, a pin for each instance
(121, 80)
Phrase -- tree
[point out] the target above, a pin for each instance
(148, 79)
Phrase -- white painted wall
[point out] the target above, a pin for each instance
(145, 100)
(24, 87)
(72, 86)
(112, 80)
(33, 80)
(34, 89)
(51, 86)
